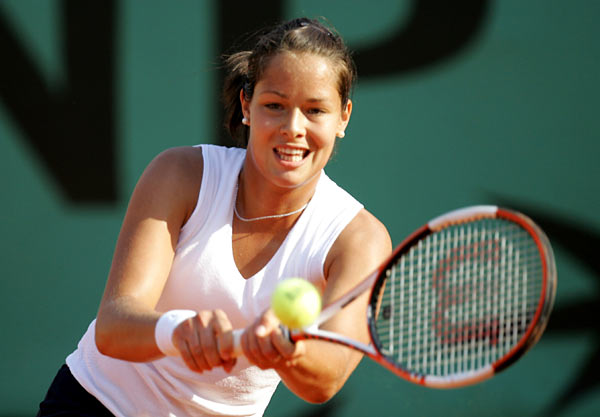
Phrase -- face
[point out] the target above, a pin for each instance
(295, 115)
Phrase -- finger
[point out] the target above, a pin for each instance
(251, 348)
(224, 336)
(225, 345)
(187, 357)
(225, 342)
(265, 344)
(285, 346)
(197, 347)
(300, 349)
(208, 343)
(184, 339)
(267, 353)
(279, 340)
(229, 364)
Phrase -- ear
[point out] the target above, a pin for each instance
(345, 116)
(245, 105)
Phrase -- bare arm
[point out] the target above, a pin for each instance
(161, 203)
(316, 369)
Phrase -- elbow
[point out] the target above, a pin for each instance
(323, 385)
(102, 332)
(120, 342)
(102, 339)
(103, 348)
(107, 337)
(321, 393)
(320, 397)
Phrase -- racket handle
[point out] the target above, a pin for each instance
(286, 332)
(237, 342)
(237, 339)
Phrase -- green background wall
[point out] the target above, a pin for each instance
(508, 114)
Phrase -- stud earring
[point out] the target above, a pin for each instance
(245, 121)
(341, 134)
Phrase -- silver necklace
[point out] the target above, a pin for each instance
(273, 216)
(255, 219)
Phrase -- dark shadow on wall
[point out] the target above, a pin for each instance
(69, 127)
(576, 317)
(435, 32)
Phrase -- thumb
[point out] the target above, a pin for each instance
(225, 345)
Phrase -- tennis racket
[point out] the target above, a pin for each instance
(458, 301)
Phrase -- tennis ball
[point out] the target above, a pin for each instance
(296, 303)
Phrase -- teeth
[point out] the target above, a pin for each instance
(291, 154)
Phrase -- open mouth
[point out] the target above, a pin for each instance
(291, 154)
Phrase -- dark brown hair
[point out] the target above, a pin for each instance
(245, 68)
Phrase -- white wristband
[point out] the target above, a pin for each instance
(163, 332)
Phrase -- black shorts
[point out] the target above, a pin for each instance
(66, 397)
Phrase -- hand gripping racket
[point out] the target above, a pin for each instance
(459, 300)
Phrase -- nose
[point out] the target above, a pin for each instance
(294, 125)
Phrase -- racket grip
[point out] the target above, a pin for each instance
(237, 342)
(286, 333)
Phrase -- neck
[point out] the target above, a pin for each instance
(264, 203)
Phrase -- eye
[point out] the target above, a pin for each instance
(316, 111)
(273, 106)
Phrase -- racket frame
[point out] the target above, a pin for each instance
(376, 280)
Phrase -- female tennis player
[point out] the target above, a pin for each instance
(209, 233)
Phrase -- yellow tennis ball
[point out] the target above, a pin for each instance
(296, 303)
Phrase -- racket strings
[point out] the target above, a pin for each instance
(461, 298)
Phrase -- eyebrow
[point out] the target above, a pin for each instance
(277, 93)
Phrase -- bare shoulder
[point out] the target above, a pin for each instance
(367, 228)
(185, 161)
(363, 244)
(172, 180)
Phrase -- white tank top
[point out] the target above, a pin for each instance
(204, 276)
